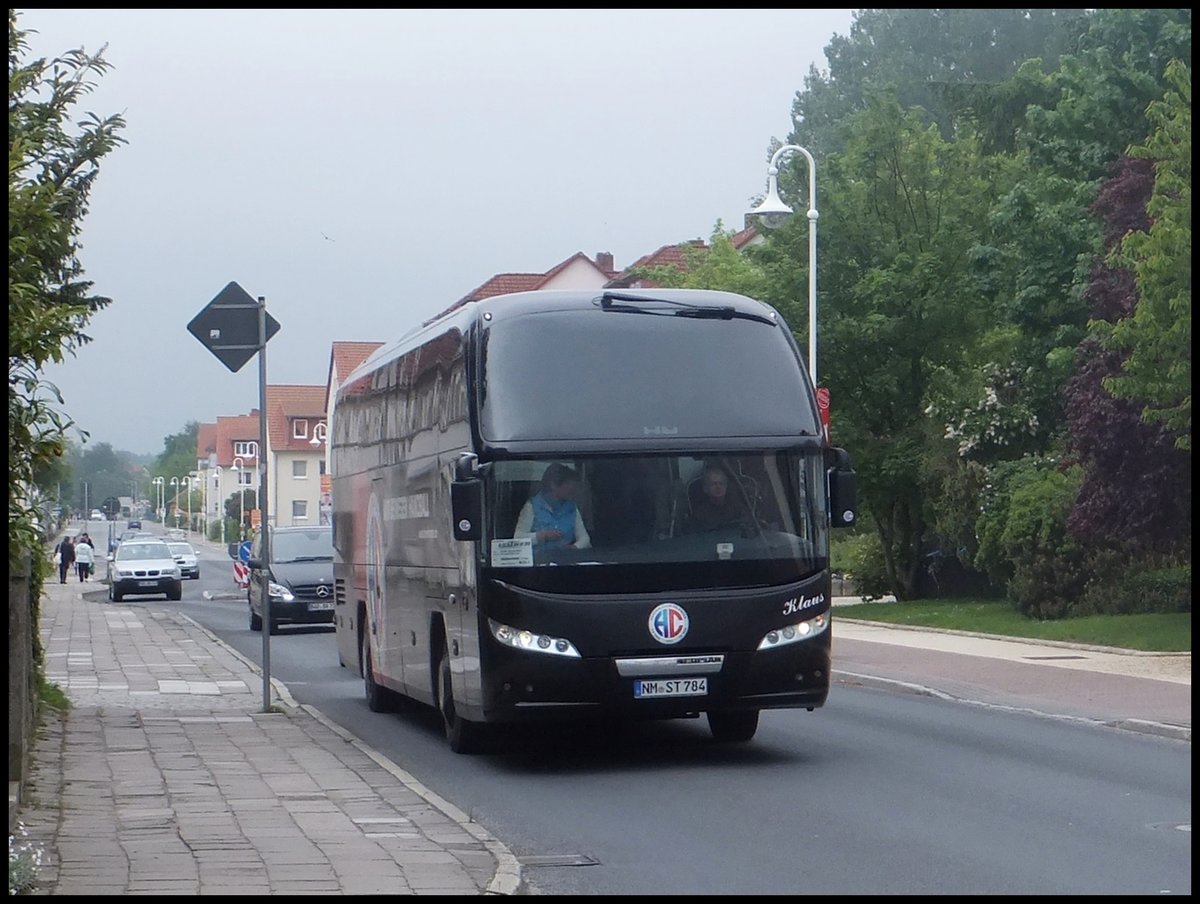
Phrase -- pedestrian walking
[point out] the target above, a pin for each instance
(85, 557)
(64, 558)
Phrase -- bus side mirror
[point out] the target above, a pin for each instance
(843, 489)
(466, 508)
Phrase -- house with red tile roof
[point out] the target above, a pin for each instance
(674, 256)
(295, 459)
(227, 459)
(344, 356)
(576, 272)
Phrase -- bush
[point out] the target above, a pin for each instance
(1049, 583)
(859, 556)
(1133, 592)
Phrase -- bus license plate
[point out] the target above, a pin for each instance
(320, 607)
(670, 687)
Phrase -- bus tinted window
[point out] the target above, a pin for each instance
(554, 376)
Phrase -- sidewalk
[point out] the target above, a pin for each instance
(167, 777)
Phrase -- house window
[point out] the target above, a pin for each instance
(245, 478)
(245, 450)
(300, 429)
(300, 468)
(299, 509)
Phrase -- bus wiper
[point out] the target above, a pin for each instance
(636, 304)
(722, 313)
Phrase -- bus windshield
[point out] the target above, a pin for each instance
(663, 521)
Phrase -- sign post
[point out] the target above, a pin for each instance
(234, 327)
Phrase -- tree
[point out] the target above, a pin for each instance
(931, 57)
(52, 165)
(178, 459)
(1158, 337)
(903, 211)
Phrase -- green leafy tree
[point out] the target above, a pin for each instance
(1158, 337)
(902, 313)
(53, 161)
(932, 58)
(178, 460)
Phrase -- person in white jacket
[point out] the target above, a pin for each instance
(85, 558)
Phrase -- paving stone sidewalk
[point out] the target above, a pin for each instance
(166, 777)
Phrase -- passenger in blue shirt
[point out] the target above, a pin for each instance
(551, 517)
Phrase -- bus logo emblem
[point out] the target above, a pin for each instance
(668, 623)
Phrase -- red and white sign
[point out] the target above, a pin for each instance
(823, 409)
(241, 574)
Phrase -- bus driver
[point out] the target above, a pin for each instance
(551, 517)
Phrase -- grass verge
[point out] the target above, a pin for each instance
(1150, 632)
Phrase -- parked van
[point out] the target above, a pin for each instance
(300, 572)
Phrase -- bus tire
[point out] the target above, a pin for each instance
(379, 698)
(733, 726)
(464, 736)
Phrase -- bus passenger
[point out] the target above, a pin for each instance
(551, 516)
(715, 505)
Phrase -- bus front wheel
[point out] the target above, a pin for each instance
(733, 725)
(464, 736)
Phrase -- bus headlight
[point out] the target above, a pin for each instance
(804, 630)
(520, 639)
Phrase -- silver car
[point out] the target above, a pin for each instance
(143, 566)
(185, 556)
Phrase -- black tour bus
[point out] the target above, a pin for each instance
(442, 442)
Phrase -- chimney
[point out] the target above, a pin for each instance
(604, 261)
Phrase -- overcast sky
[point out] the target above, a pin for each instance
(363, 169)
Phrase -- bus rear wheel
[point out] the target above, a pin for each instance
(379, 698)
(464, 736)
(733, 726)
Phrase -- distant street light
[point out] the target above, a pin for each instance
(220, 514)
(188, 480)
(240, 467)
(175, 503)
(772, 212)
(160, 485)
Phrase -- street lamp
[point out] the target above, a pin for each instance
(175, 487)
(220, 514)
(772, 212)
(188, 481)
(159, 483)
(240, 467)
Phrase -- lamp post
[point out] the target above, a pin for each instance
(240, 467)
(188, 480)
(159, 485)
(772, 212)
(317, 441)
(175, 494)
(220, 514)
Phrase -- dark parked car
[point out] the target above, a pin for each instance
(134, 524)
(300, 572)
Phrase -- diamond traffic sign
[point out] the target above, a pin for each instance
(228, 326)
